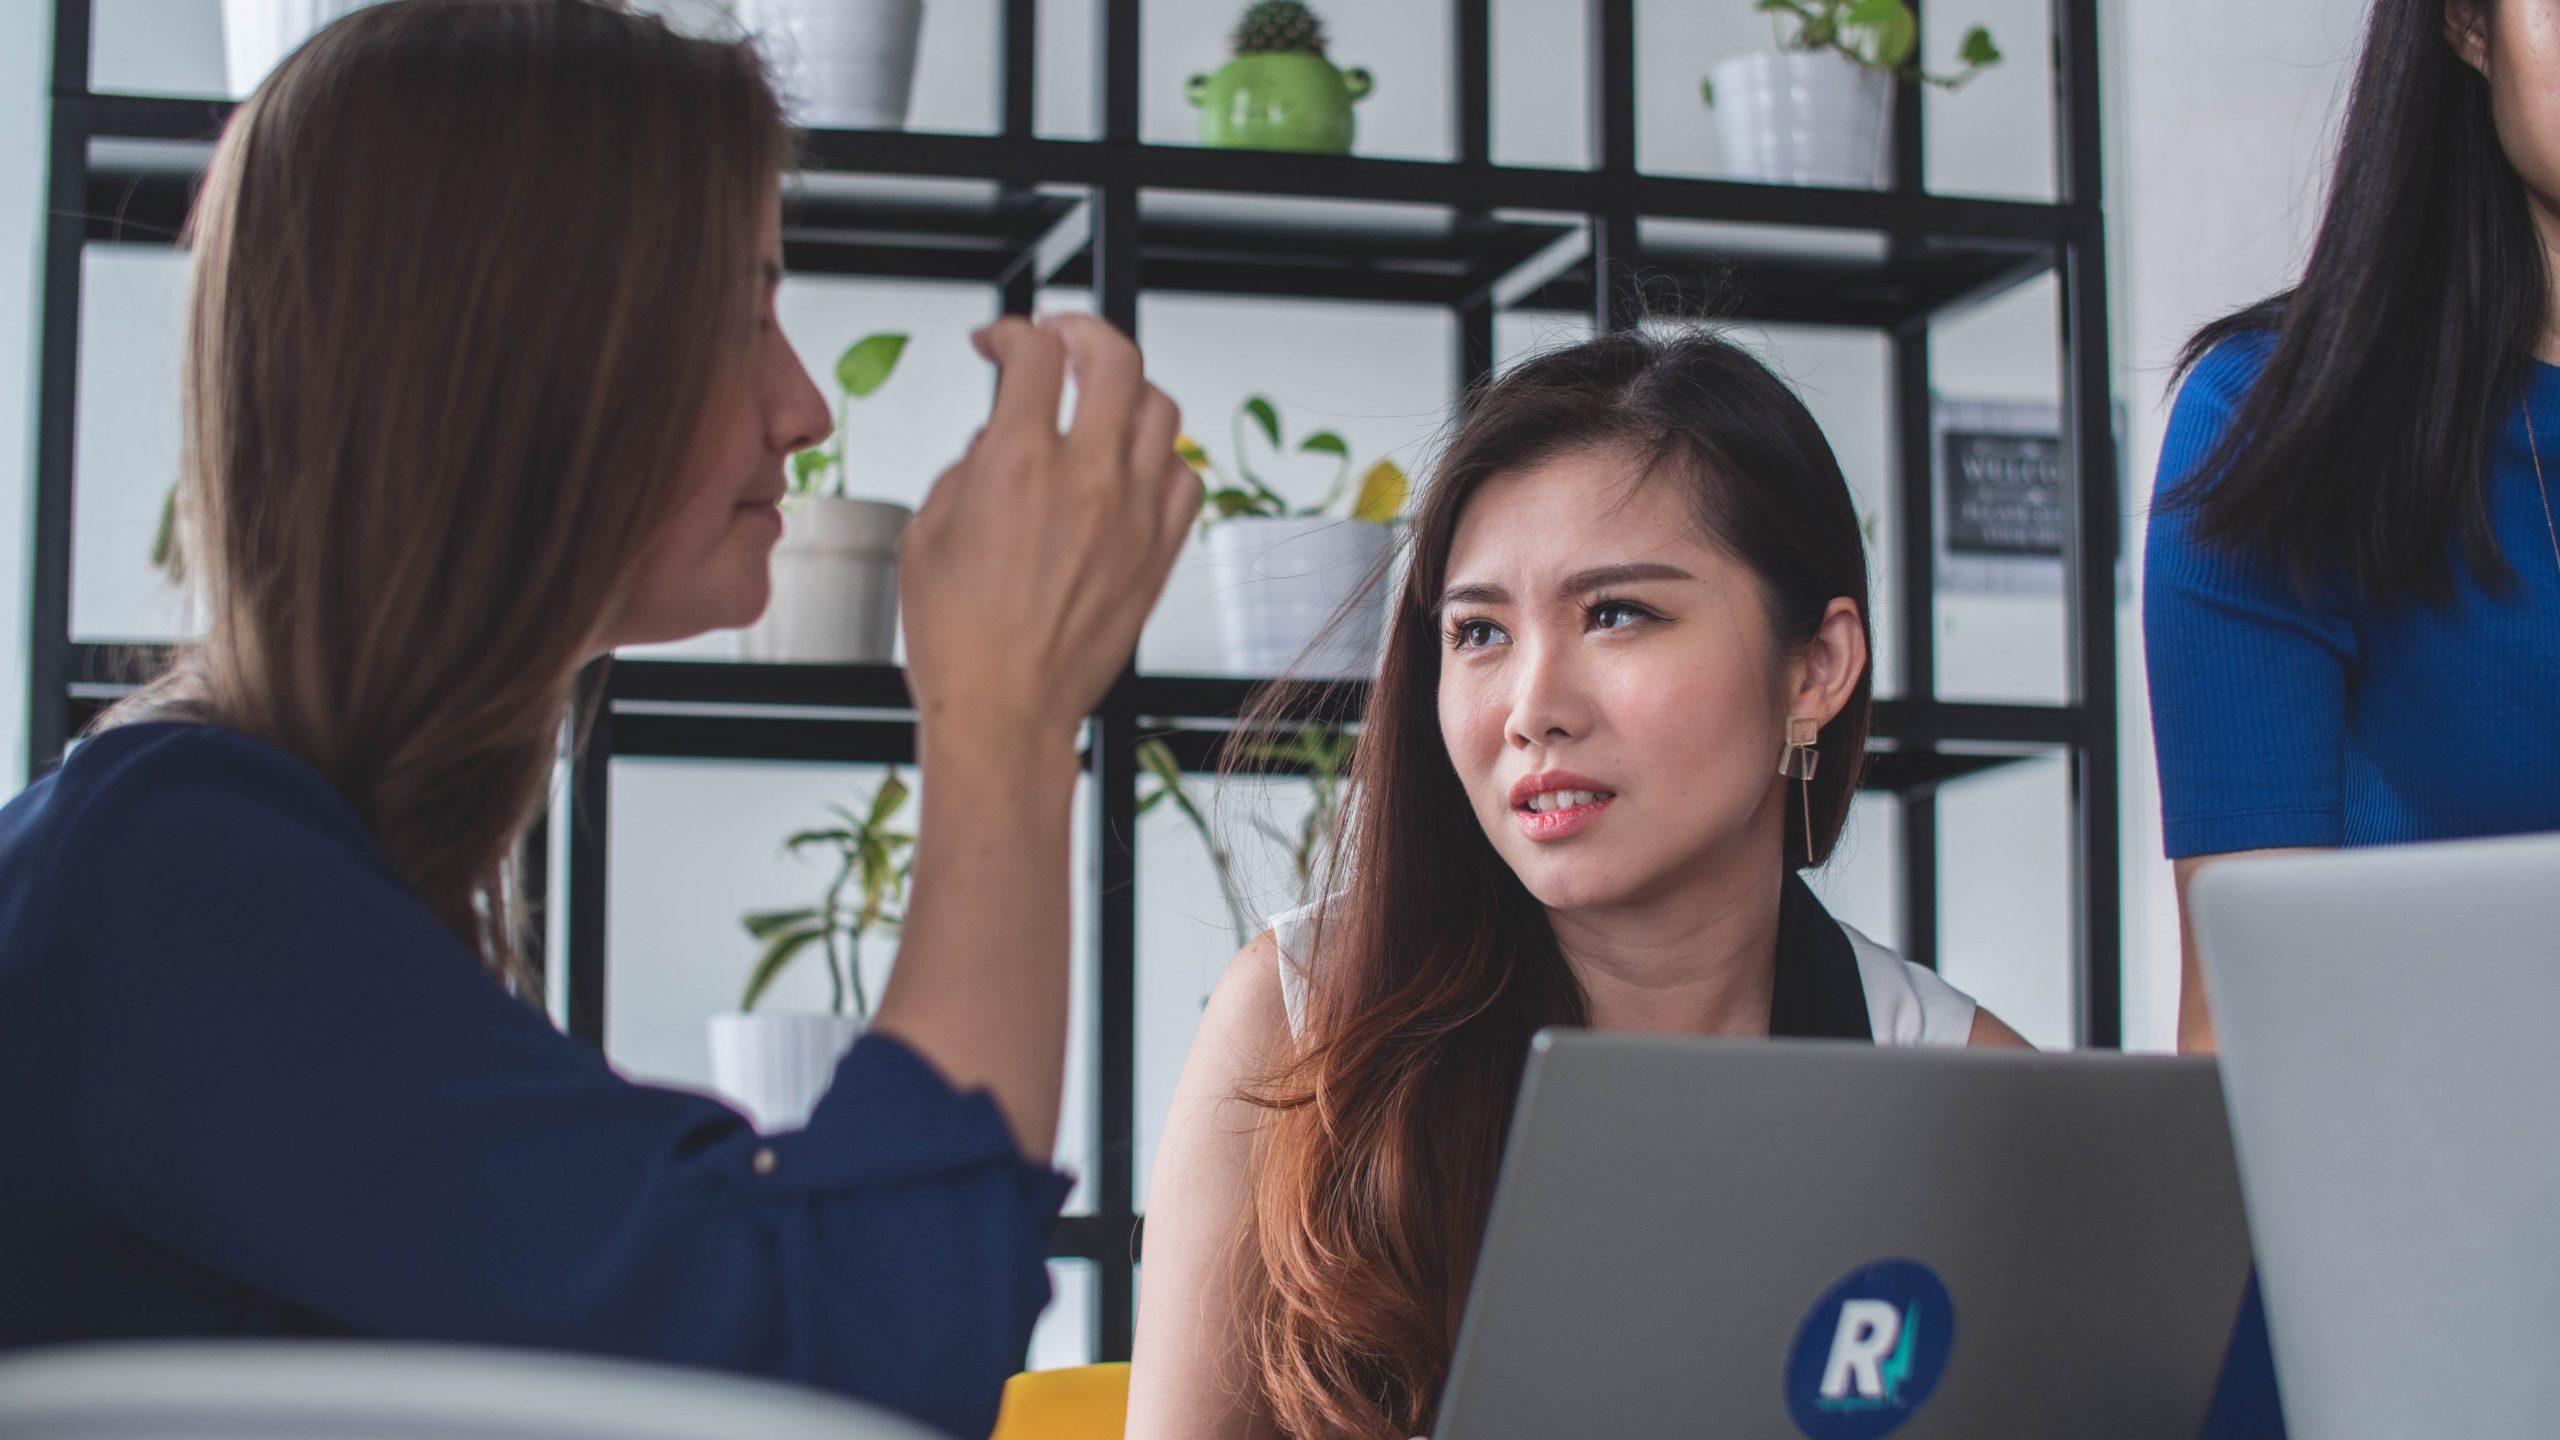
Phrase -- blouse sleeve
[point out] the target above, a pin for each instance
(2248, 676)
(300, 1080)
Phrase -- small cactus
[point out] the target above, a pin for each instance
(1279, 27)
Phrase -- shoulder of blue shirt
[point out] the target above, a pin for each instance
(2212, 390)
(160, 777)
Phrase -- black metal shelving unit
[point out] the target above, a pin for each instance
(1019, 213)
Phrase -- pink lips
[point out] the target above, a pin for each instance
(1559, 824)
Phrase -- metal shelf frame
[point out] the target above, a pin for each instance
(1121, 216)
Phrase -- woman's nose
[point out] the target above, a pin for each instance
(1549, 703)
(797, 413)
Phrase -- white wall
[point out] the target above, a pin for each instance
(2215, 144)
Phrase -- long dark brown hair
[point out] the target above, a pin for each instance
(463, 273)
(2360, 452)
(1376, 1168)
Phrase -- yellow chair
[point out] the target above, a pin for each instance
(1088, 1402)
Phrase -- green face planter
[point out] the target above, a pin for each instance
(1280, 92)
(1279, 102)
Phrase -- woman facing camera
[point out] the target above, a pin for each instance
(1624, 699)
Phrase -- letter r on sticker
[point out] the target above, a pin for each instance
(1868, 1330)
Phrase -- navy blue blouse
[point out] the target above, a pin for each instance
(249, 1086)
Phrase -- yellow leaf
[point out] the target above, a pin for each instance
(1382, 494)
(1191, 453)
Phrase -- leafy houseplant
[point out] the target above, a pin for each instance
(777, 1065)
(1293, 581)
(1878, 34)
(186, 607)
(872, 867)
(1279, 92)
(1818, 111)
(835, 574)
(861, 370)
(1321, 752)
(1382, 486)
(166, 556)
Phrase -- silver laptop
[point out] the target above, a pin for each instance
(2386, 1022)
(1728, 1238)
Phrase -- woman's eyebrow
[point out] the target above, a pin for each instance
(1606, 576)
(1581, 583)
(1472, 594)
(772, 272)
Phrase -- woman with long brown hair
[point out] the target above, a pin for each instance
(482, 381)
(1624, 698)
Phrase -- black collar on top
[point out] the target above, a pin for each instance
(1819, 993)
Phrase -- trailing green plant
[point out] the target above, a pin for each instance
(1879, 34)
(873, 865)
(1278, 27)
(863, 368)
(1319, 753)
(167, 555)
(1380, 498)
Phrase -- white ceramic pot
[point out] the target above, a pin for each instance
(843, 64)
(258, 33)
(1795, 117)
(776, 1066)
(835, 584)
(1281, 582)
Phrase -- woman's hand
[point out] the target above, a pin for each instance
(1027, 574)
(1025, 579)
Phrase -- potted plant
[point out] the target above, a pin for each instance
(842, 64)
(1279, 92)
(835, 574)
(169, 562)
(258, 33)
(1819, 110)
(1284, 572)
(1320, 752)
(776, 1065)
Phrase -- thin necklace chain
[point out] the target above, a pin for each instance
(2533, 447)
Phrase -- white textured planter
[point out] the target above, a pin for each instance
(1280, 583)
(835, 585)
(843, 64)
(1803, 118)
(258, 33)
(775, 1067)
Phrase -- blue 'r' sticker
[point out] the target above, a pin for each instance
(1870, 1351)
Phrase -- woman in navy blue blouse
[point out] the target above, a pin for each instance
(482, 380)
(2352, 599)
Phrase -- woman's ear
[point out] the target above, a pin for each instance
(2466, 29)
(1833, 661)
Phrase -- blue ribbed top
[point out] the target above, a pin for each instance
(2284, 720)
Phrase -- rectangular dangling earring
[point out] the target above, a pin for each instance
(1797, 762)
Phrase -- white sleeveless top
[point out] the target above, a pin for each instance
(1907, 1004)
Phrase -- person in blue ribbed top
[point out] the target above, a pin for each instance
(2352, 595)
(482, 380)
